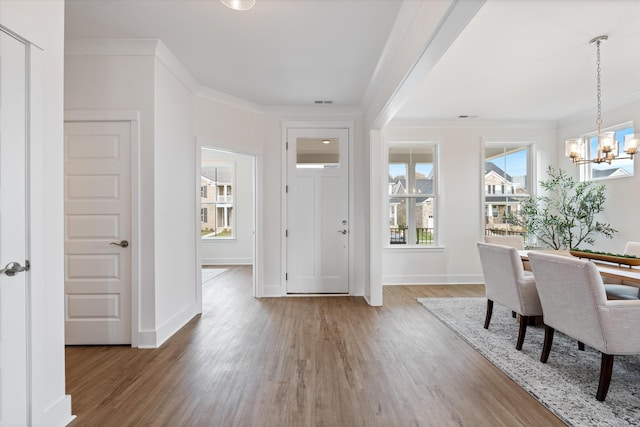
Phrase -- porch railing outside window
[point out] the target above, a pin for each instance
(398, 236)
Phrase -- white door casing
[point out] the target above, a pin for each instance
(317, 230)
(14, 331)
(98, 232)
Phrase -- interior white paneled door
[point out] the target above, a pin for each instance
(97, 232)
(318, 211)
(13, 232)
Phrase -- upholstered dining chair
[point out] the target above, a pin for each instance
(619, 289)
(574, 303)
(507, 284)
(513, 241)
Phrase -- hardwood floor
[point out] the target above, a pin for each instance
(304, 361)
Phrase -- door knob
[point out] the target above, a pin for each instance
(122, 243)
(342, 231)
(14, 268)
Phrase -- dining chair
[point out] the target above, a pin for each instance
(513, 241)
(620, 289)
(506, 283)
(574, 303)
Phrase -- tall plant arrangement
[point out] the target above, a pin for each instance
(565, 216)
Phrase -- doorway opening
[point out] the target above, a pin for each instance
(227, 213)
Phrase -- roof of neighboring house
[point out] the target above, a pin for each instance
(491, 167)
(219, 174)
(606, 173)
(423, 186)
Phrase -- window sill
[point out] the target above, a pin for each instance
(217, 239)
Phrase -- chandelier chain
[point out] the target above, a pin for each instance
(599, 116)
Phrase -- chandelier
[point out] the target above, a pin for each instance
(239, 4)
(607, 143)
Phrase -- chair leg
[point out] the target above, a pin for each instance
(522, 331)
(606, 367)
(487, 318)
(580, 346)
(548, 340)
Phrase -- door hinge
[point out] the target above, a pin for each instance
(286, 233)
(287, 145)
(286, 189)
(286, 276)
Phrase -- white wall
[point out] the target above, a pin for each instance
(460, 205)
(238, 250)
(42, 22)
(174, 203)
(623, 201)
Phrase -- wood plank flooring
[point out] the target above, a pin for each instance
(304, 361)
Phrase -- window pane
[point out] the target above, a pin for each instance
(411, 188)
(618, 168)
(317, 153)
(216, 199)
(506, 184)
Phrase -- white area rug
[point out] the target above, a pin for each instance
(567, 384)
(210, 273)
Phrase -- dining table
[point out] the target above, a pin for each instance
(607, 268)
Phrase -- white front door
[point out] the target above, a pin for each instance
(13, 232)
(318, 211)
(97, 232)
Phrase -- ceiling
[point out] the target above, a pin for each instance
(517, 59)
(531, 60)
(279, 53)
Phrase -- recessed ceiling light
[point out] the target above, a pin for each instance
(326, 141)
(239, 4)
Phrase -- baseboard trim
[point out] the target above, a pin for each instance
(58, 414)
(173, 325)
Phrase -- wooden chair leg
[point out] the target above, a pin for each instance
(606, 368)
(580, 346)
(548, 340)
(522, 331)
(487, 318)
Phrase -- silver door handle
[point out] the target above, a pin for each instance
(121, 243)
(14, 268)
(342, 231)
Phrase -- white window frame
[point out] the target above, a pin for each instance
(214, 205)
(586, 171)
(410, 240)
(529, 145)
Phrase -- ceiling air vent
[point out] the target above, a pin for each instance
(322, 102)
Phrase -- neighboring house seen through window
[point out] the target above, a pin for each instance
(412, 194)
(216, 200)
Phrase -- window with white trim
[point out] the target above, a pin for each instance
(412, 194)
(507, 184)
(217, 200)
(618, 168)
